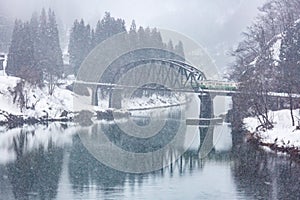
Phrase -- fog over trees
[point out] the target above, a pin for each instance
(83, 38)
(35, 54)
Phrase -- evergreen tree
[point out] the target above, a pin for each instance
(132, 34)
(170, 46)
(54, 67)
(108, 27)
(179, 49)
(132, 27)
(41, 43)
(6, 30)
(81, 42)
(83, 38)
(156, 38)
(13, 58)
(141, 36)
(148, 40)
(35, 51)
(21, 52)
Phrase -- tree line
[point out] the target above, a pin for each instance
(83, 38)
(268, 60)
(35, 54)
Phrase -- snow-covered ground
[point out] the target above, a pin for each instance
(152, 102)
(38, 102)
(283, 134)
(5, 97)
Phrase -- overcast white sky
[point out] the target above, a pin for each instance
(215, 24)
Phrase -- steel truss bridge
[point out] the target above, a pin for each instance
(160, 74)
(167, 74)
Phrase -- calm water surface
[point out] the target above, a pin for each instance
(50, 162)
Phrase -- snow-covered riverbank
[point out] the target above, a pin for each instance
(283, 137)
(21, 99)
(37, 104)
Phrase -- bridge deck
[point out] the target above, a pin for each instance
(218, 91)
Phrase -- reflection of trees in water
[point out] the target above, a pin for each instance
(250, 172)
(264, 176)
(36, 172)
(85, 170)
(288, 181)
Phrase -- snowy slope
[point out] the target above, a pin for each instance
(38, 101)
(53, 106)
(6, 83)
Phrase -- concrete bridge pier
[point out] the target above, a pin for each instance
(95, 96)
(206, 105)
(206, 131)
(115, 99)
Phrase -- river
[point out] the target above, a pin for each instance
(54, 162)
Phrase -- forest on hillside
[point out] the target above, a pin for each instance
(268, 60)
(35, 51)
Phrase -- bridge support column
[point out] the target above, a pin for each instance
(206, 131)
(95, 96)
(115, 99)
(206, 105)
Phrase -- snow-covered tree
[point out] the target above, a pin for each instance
(21, 52)
(290, 63)
(54, 68)
(80, 44)
(35, 52)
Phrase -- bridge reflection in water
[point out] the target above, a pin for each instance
(39, 164)
(47, 166)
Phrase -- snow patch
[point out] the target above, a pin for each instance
(276, 50)
(283, 133)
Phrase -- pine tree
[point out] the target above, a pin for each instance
(132, 27)
(83, 39)
(6, 30)
(156, 38)
(13, 58)
(35, 51)
(108, 27)
(54, 67)
(21, 52)
(179, 50)
(41, 43)
(170, 46)
(141, 36)
(132, 34)
(81, 43)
